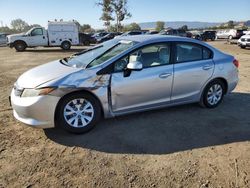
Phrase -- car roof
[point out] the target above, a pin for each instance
(157, 37)
(146, 39)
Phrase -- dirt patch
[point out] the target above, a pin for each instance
(184, 146)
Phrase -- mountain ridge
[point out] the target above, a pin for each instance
(178, 24)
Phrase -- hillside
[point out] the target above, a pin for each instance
(177, 24)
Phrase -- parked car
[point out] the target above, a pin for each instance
(189, 34)
(121, 76)
(175, 32)
(205, 35)
(59, 33)
(152, 32)
(86, 39)
(129, 33)
(107, 37)
(244, 41)
(229, 34)
(3, 38)
(99, 35)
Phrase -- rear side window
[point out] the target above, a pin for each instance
(207, 54)
(186, 52)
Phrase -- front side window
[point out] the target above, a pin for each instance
(149, 56)
(36, 32)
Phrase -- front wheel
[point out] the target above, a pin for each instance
(20, 46)
(213, 94)
(78, 113)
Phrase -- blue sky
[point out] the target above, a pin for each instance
(86, 11)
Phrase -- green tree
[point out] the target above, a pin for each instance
(86, 28)
(184, 27)
(106, 12)
(160, 26)
(18, 25)
(132, 27)
(121, 11)
(114, 10)
(230, 24)
(6, 30)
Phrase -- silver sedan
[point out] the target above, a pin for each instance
(121, 76)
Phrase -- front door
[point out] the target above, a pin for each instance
(146, 88)
(37, 38)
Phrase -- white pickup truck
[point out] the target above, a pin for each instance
(59, 33)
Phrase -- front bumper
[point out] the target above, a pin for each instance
(11, 45)
(37, 111)
(247, 44)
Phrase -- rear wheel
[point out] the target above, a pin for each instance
(78, 113)
(243, 47)
(213, 94)
(66, 45)
(230, 37)
(20, 46)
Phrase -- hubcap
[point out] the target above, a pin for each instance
(66, 45)
(78, 112)
(214, 94)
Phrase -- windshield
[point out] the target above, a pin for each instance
(98, 54)
(28, 32)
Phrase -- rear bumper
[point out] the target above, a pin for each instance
(37, 111)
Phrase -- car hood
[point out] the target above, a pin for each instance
(16, 35)
(246, 36)
(44, 73)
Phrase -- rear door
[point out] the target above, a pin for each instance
(192, 68)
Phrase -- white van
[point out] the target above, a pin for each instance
(62, 34)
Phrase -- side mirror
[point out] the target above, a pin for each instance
(135, 65)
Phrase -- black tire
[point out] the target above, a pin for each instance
(243, 47)
(213, 38)
(20, 46)
(230, 37)
(60, 119)
(86, 43)
(204, 99)
(66, 45)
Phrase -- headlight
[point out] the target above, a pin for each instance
(37, 92)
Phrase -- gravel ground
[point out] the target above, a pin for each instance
(184, 146)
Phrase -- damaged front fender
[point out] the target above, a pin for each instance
(84, 80)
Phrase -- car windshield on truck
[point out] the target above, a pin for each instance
(98, 55)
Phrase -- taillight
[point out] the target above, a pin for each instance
(236, 63)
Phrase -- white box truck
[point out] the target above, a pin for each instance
(59, 33)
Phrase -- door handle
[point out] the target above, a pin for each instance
(207, 67)
(164, 75)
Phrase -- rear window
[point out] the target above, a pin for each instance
(186, 52)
